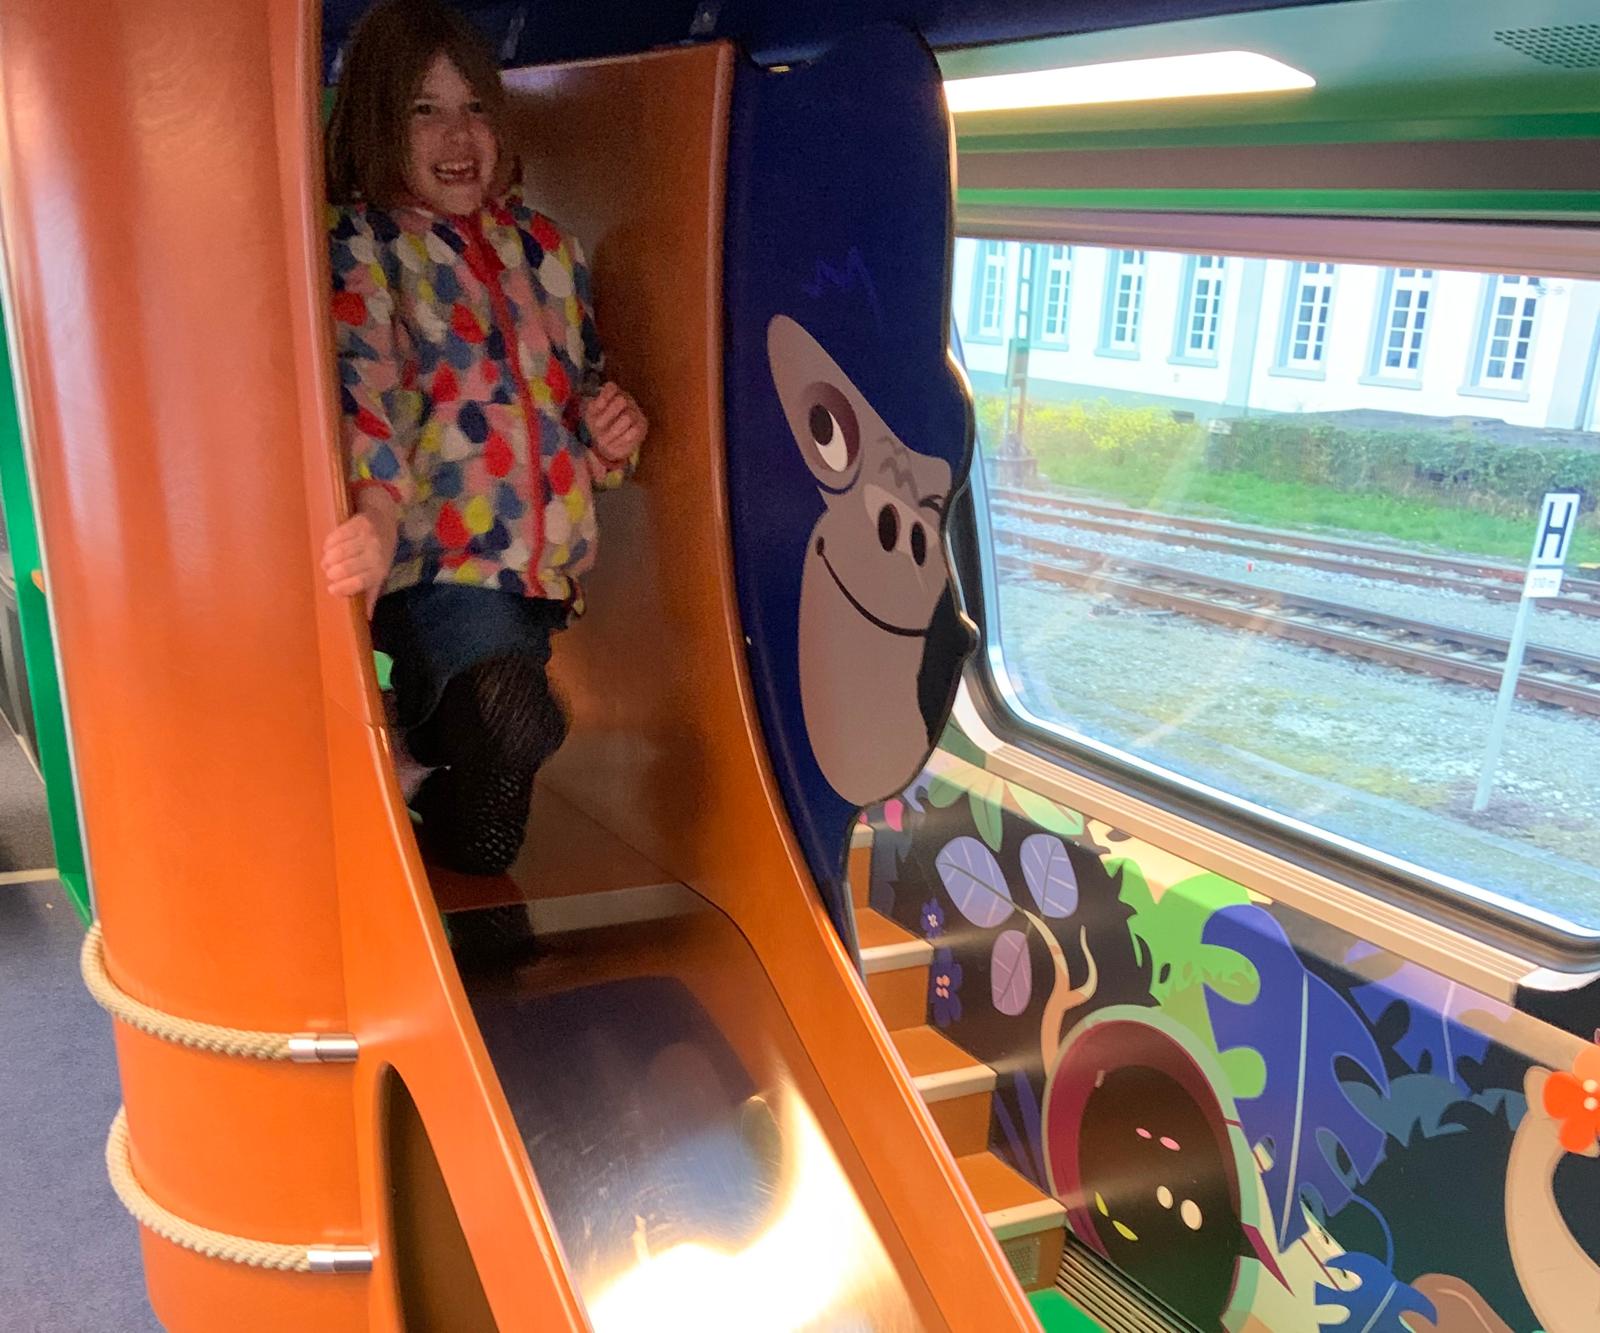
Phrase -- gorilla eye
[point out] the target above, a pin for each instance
(832, 427)
(919, 543)
(888, 527)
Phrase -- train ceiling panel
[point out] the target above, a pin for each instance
(539, 31)
(1414, 63)
(1419, 68)
(1568, 45)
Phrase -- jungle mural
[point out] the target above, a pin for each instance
(1269, 1124)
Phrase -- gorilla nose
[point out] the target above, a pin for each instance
(889, 533)
(888, 528)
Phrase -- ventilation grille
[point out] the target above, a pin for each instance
(1093, 1285)
(1569, 46)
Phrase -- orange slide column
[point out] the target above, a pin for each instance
(149, 277)
(251, 858)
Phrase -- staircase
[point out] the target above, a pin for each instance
(1030, 1226)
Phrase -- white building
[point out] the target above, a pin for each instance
(1221, 335)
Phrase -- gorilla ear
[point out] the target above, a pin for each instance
(823, 408)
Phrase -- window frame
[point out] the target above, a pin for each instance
(1282, 363)
(1183, 352)
(1134, 349)
(980, 273)
(1484, 333)
(1546, 940)
(1378, 374)
(1048, 263)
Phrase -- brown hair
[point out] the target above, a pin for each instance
(384, 66)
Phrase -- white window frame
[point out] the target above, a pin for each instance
(1405, 316)
(1508, 331)
(1308, 308)
(1120, 325)
(1055, 305)
(1198, 338)
(993, 261)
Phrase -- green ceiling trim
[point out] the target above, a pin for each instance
(1569, 204)
(1561, 125)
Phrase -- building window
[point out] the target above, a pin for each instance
(1200, 316)
(1511, 314)
(1403, 329)
(1124, 303)
(1305, 333)
(1057, 294)
(989, 292)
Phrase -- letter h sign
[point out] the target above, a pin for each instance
(1558, 516)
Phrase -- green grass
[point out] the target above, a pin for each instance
(1186, 487)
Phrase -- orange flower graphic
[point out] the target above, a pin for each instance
(1574, 1100)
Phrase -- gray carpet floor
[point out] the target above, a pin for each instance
(24, 825)
(69, 1255)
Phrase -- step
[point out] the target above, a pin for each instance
(887, 946)
(1030, 1226)
(955, 1087)
(939, 1068)
(858, 868)
(896, 966)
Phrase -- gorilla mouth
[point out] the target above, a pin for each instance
(865, 614)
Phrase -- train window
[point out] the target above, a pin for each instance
(1259, 528)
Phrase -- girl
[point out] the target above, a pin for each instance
(477, 421)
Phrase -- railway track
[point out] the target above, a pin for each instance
(1550, 675)
(1496, 582)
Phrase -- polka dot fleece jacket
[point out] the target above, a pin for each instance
(466, 348)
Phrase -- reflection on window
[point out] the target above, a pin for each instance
(1513, 311)
(1405, 322)
(1310, 301)
(1057, 293)
(1202, 311)
(1124, 302)
(989, 291)
(1296, 592)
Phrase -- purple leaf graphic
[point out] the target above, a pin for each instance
(1011, 973)
(973, 879)
(1051, 879)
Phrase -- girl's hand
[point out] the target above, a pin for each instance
(357, 555)
(616, 425)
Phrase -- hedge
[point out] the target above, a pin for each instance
(1451, 468)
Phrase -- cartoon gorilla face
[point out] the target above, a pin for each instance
(875, 570)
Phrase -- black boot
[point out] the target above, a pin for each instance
(497, 937)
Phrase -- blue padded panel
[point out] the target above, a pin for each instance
(837, 247)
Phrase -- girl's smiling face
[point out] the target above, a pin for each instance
(451, 153)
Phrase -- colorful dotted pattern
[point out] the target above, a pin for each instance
(466, 348)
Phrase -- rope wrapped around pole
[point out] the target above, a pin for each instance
(218, 1244)
(217, 1040)
(302, 1047)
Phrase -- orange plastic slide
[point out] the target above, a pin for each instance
(250, 855)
